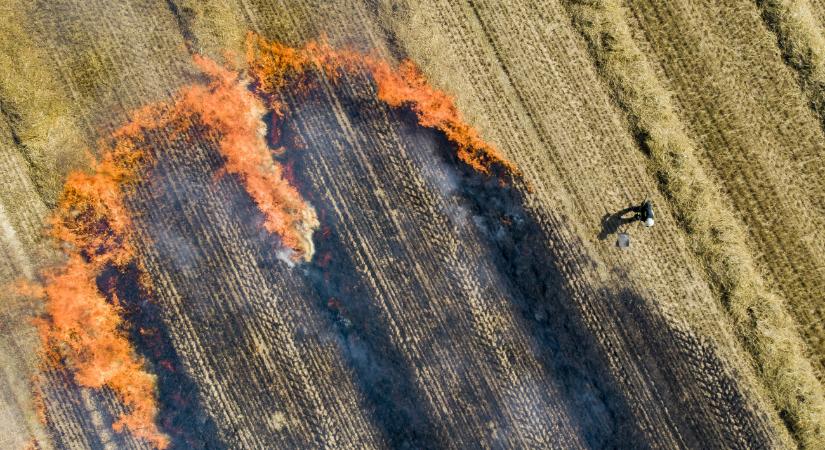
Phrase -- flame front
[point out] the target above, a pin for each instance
(274, 67)
(84, 325)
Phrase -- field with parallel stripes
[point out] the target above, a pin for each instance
(440, 303)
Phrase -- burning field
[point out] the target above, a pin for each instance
(306, 226)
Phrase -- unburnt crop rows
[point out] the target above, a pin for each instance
(418, 322)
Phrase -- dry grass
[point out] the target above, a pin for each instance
(216, 27)
(802, 43)
(744, 109)
(759, 316)
(35, 108)
(716, 237)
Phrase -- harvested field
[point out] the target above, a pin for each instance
(291, 238)
(761, 141)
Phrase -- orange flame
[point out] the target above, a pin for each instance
(227, 107)
(84, 326)
(88, 330)
(273, 66)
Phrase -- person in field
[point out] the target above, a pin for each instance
(612, 223)
(644, 213)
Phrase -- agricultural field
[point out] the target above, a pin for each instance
(393, 224)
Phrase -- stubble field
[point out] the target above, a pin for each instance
(441, 306)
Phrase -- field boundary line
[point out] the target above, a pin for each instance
(760, 317)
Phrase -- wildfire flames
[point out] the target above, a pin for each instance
(83, 325)
(274, 66)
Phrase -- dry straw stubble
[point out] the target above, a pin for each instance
(802, 44)
(764, 326)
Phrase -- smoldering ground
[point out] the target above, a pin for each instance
(182, 416)
(382, 185)
(204, 233)
(693, 390)
(474, 208)
(355, 323)
(519, 259)
(198, 225)
(480, 208)
(690, 377)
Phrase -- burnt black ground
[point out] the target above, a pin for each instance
(201, 232)
(182, 416)
(529, 270)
